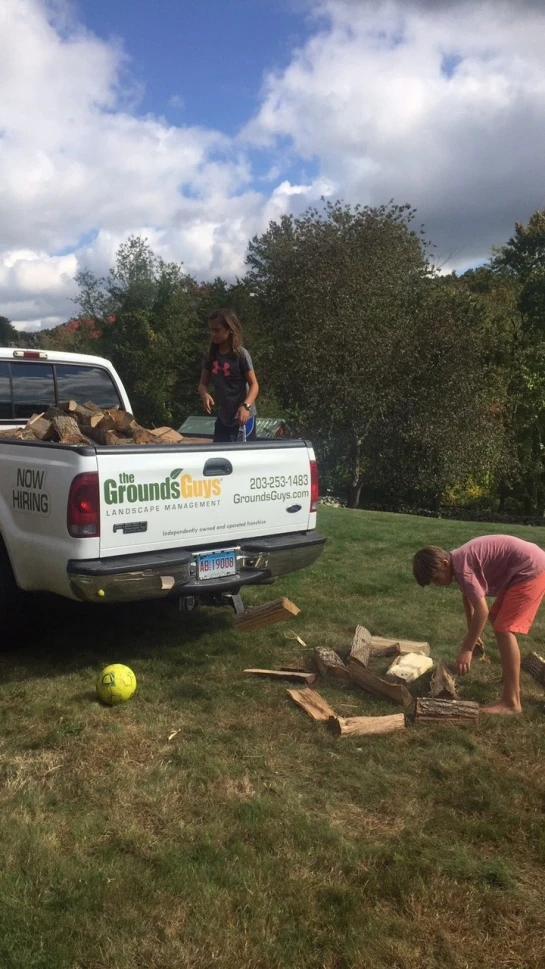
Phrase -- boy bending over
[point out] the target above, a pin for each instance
(494, 565)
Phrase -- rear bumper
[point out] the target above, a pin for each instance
(156, 575)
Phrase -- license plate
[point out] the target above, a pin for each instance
(214, 565)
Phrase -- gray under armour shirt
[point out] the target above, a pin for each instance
(228, 377)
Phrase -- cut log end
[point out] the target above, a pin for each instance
(408, 668)
(265, 615)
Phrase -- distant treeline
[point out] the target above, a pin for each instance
(418, 389)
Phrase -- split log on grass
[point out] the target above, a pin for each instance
(294, 675)
(408, 668)
(265, 615)
(361, 645)
(442, 683)
(459, 712)
(312, 703)
(377, 686)
(359, 726)
(535, 666)
(384, 647)
(412, 646)
(330, 664)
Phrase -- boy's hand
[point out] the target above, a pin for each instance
(463, 661)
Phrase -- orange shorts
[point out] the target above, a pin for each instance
(515, 609)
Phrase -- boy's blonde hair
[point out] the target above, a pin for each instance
(427, 563)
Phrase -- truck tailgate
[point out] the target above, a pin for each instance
(154, 497)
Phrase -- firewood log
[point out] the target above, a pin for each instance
(442, 683)
(376, 685)
(535, 666)
(458, 712)
(360, 726)
(265, 615)
(312, 703)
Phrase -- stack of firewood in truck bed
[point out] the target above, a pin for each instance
(73, 423)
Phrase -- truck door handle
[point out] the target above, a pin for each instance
(217, 466)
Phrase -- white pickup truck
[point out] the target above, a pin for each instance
(108, 523)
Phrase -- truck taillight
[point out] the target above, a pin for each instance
(83, 513)
(314, 486)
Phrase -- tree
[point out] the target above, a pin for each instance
(516, 273)
(8, 334)
(442, 425)
(346, 304)
(145, 315)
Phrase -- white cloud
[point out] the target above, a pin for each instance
(370, 97)
(74, 160)
(441, 104)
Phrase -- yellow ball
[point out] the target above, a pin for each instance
(116, 684)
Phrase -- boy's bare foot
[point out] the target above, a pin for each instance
(502, 709)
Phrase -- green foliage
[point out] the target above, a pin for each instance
(409, 384)
(365, 349)
(514, 300)
(145, 311)
(438, 427)
(8, 333)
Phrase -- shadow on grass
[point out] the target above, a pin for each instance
(57, 636)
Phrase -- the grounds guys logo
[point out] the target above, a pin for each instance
(176, 486)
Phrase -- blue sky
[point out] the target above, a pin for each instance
(212, 54)
(196, 124)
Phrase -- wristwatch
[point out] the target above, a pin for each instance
(247, 406)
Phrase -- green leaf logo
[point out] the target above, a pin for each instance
(176, 473)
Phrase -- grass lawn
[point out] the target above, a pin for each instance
(254, 839)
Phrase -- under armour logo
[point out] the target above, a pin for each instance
(224, 368)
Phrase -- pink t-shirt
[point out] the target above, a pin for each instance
(487, 566)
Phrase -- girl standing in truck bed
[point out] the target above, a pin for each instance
(229, 368)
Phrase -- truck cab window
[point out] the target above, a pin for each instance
(33, 388)
(5, 392)
(81, 383)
